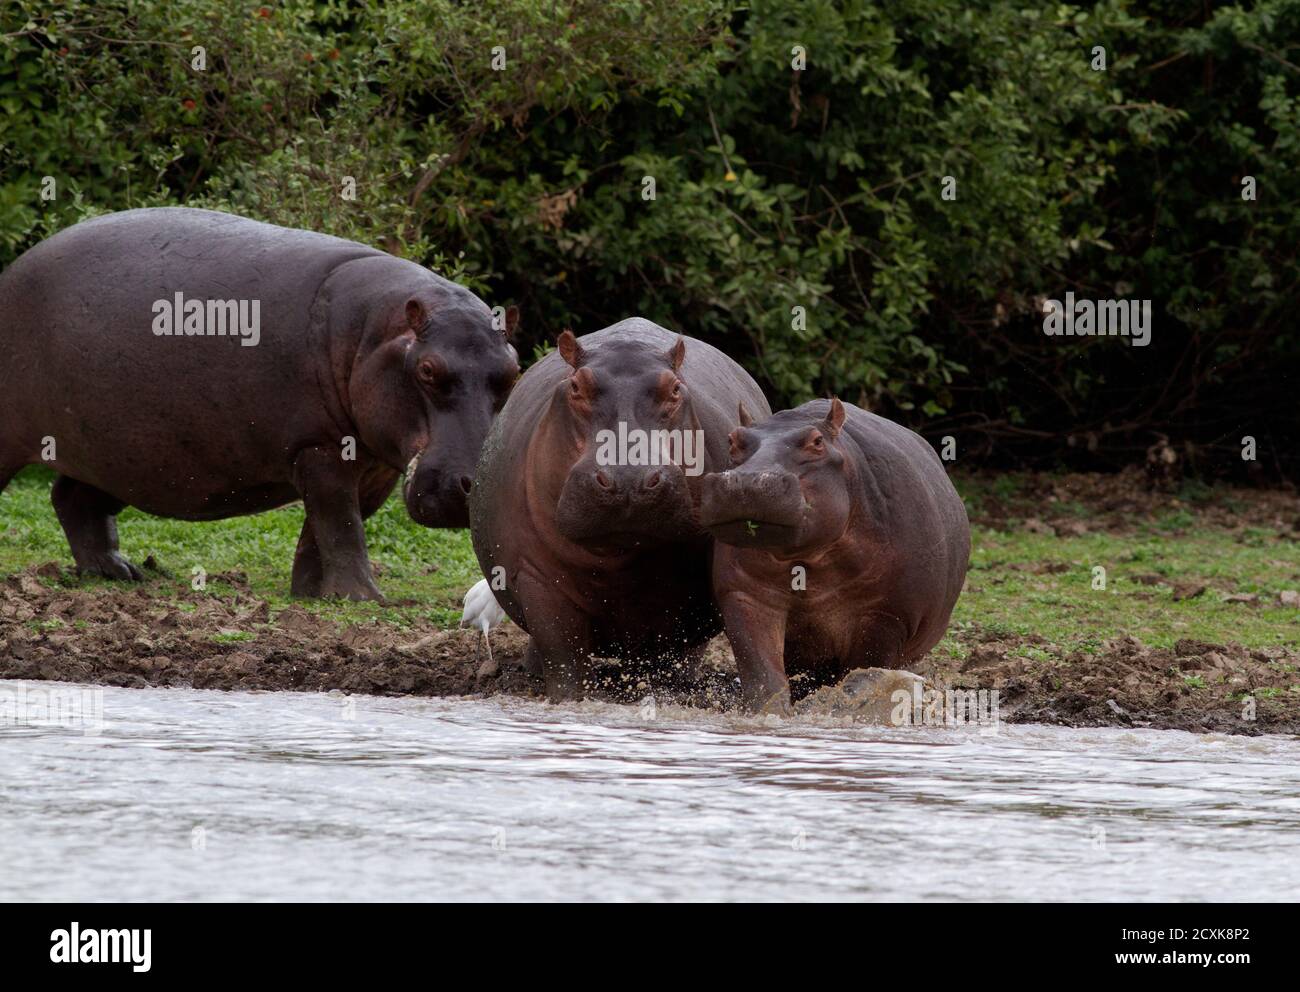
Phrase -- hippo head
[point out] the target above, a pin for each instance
(629, 419)
(424, 397)
(788, 490)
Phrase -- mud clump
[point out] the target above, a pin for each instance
(54, 629)
(132, 637)
(1195, 686)
(867, 695)
(1120, 503)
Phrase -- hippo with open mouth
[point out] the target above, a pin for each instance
(841, 544)
(584, 506)
(199, 365)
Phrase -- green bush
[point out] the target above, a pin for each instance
(774, 189)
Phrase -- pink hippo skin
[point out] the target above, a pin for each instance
(597, 558)
(841, 545)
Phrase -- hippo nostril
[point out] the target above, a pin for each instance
(602, 480)
(466, 483)
(652, 480)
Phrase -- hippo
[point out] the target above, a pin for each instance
(841, 544)
(583, 511)
(199, 365)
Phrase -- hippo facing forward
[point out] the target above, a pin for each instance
(842, 545)
(583, 510)
(199, 365)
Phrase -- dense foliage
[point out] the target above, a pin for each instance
(775, 188)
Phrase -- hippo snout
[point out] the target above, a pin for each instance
(746, 507)
(620, 486)
(438, 497)
(618, 501)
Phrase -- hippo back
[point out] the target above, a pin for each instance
(912, 508)
(77, 313)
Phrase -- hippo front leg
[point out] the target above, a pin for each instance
(308, 570)
(561, 638)
(334, 562)
(757, 636)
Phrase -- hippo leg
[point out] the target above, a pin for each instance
(880, 642)
(757, 636)
(334, 564)
(308, 571)
(8, 471)
(88, 516)
(561, 641)
(533, 660)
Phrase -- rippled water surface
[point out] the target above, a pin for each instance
(185, 794)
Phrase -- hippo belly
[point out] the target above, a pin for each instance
(175, 453)
(662, 603)
(141, 413)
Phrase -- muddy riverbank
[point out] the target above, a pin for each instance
(51, 629)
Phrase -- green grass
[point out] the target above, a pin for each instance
(1061, 607)
(1003, 594)
(1065, 609)
(234, 636)
(260, 546)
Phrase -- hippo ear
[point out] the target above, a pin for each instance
(835, 419)
(677, 353)
(569, 348)
(512, 322)
(416, 315)
(745, 419)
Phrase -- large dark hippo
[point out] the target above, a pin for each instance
(842, 545)
(199, 365)
(582, 521)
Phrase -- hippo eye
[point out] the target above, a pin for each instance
(677, 390)
(817, 443)
(427, 370)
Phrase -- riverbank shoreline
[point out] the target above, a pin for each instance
(51, 629)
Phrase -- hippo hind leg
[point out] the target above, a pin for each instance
(88, 516)
(879, 644)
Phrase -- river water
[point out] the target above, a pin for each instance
(165, 794)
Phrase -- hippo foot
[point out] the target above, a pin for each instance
(109, 565)
(777, 703)
(359, 590)
(565, 685)
(305, 587)
(533, 660)
(564, 694)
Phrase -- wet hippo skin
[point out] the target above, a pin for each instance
(605, 559)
